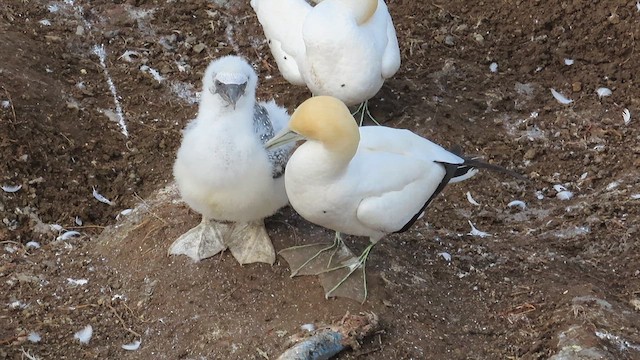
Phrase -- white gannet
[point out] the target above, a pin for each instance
(223, 170)
(341, 48)
(368, 181)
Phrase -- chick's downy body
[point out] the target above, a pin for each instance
(222, 169)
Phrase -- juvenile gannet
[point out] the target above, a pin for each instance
(368, 181)
(223, 170)
(342, 48)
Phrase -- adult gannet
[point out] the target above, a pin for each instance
(368, 181)
(223, 170)
(342, 48)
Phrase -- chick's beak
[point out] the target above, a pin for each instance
(283, 137)
(230, 92)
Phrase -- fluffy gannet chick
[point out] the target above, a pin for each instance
(368, 181)
(223, 170)
(342, 48)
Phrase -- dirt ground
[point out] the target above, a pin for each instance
(559, 279)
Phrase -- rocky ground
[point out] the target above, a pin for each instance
(559, 278)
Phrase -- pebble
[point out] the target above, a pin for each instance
(576, 86)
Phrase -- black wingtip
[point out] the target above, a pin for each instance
(476, 163)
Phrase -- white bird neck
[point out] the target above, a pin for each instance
(362, 10)
(321, 161)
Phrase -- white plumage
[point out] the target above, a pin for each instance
(342, 48)
(368, 181)
(223, 171)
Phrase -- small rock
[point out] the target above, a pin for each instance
(52, 38)
(449, 40)
(199, 48)
(478, 38)
(530, 154)
(576, 86)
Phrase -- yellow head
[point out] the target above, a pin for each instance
(324, 119)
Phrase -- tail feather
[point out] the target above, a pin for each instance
(472, 164)
(476, 164)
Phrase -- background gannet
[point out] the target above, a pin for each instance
(223, 170)
(342, 48)
(369, 181)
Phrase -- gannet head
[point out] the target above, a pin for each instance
(324, 119)
(232, 79)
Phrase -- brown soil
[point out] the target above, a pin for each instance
(560, 279)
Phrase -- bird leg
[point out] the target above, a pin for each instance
(249, 243)
(349, 279)
(313, 259)
(203, 241)
(363, 109)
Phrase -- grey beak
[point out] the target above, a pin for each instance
(230, 92)
(285, 136)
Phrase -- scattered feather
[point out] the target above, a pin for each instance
(539, 195)
(584, 175)
(603, 91)
(626, 116)
(78, 282)
(56, 227)
(124, 212)
(11, 188)
(518, 203)
(612, 185)
(118, 297)
(53, 8)
(493, 67)
(638, 5)
(561, 98)
(308, 327)
(445, 255)
(153, 72)
(476, 232)
(33, 244)
(133, 346)
(6, 104)
(44, 22)
(635, 196)
(17, 305)
(568, 62)
(559, 188)
(471, 199)
(10, 249)
(564, 195)
(34, 337)
(84, 335)
(78, 221)
(127, 56)
(67, 235)
(101, 198)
